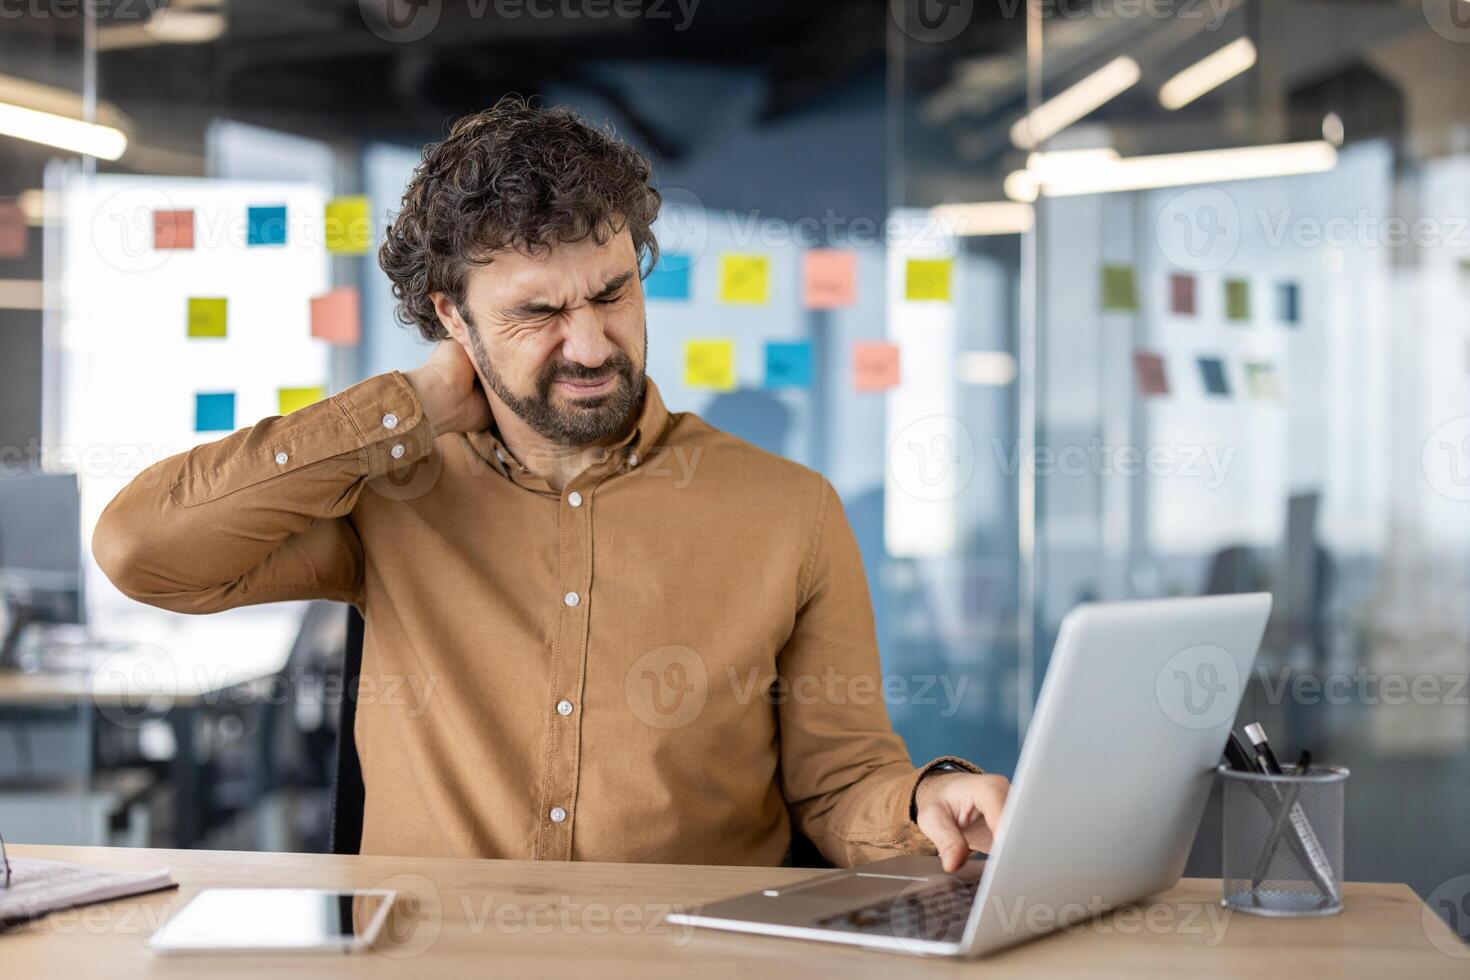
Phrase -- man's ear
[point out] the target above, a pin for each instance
(449, 317)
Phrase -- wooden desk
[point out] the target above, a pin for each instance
(478, 919)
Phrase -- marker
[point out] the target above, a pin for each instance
(1264, 756)
(1238, 757)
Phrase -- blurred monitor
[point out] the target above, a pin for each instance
(40, 552)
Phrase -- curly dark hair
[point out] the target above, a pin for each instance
(513, 176)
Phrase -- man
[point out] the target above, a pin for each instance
(645, 640)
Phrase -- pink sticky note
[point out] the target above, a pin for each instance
(829, 278)
(336, 317)
(12, 230)
(874, 365)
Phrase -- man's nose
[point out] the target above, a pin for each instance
(585, 342)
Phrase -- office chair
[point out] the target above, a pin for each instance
(349, 794)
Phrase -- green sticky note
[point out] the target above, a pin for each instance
(207, 316)
(1237, 299)
(745, 278)
(927, 279)
(709, 364)
(1119, 292)
(291, 399)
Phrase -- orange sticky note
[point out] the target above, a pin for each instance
(336, 316)
(874, 365)
(173, 229)
(829, 278)
(12, 230)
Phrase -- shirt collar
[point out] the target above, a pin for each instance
(647, 431)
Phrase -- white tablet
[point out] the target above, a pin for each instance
(285, 920)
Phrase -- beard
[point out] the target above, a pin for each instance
(585, 420)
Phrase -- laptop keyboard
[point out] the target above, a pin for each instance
(936, 914)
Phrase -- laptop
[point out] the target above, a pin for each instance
(1113, 776)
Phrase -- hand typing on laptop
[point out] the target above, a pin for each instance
(960, 812)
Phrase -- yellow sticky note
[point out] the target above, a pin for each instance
(348, 225)
(208, 316)
(745, 278)
(709, 364)
(928, 279)
(293, 398)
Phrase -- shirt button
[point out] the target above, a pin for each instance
(632, 459)
(397, 451)
(390, 421)
(281, 459)
(557, 814)
(499, 455)
(563, 708)
(572, 599)
(574, 498)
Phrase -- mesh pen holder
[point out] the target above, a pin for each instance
(1283, 842)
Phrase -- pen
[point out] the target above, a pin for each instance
(1264, 756)
(1237, 756)
(1290, 810)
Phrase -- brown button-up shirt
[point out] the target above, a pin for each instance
(668, 661)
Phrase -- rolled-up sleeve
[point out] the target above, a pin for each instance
(262, 515)
(846, 774)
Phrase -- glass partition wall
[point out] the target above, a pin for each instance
(1246, 291)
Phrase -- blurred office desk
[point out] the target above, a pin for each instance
(474, 919)
(172, 669)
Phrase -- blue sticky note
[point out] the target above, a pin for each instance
(1288, 309)
(214, 411)
(789, 364)
(1212, 371)
(669, 278)
(266, 226)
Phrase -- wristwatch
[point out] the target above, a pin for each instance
(945, 766)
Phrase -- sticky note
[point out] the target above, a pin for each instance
(265, 225)
(1288, 308)
(336, 316)
(1212, 372)
(1149, 370)
(1264, 382)
(874, 365)
(173, 229)
(927, 279)
(745, 279)
(214, 411)
(1119, 292)
(788, 364)
(709, 364)
(208, 316)
(290, 399)
(669, 278)
(349, 226)
(13, 231)
(1181, 294)
(1237, 299)
(828, 278)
